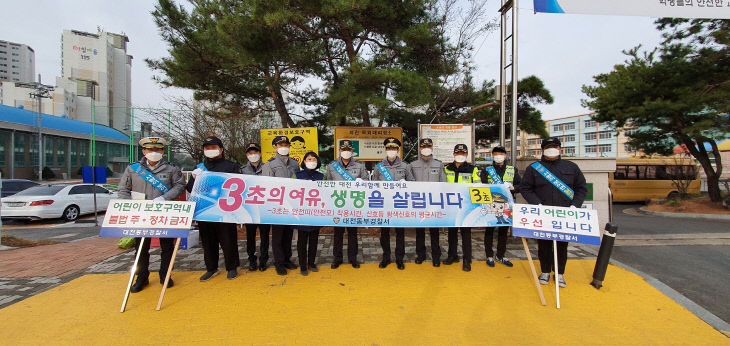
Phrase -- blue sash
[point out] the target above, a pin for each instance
(150, 178)
(494, 176)
(341, 171)
(549, 176)
(201, 166)
(385, 172)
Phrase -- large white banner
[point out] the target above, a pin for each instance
(649, 8)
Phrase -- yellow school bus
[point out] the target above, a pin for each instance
(641, 179)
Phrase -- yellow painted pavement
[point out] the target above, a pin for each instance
(421, 305)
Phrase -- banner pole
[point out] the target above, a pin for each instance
(169, 272)
(534, 273)
(555, 259)
(131, 275)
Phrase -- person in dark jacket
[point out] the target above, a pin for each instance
(499, 173)
(307, 236)
(253, 167)
(538, 190)
(214, 234)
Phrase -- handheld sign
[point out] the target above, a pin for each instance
(576, 225)
(146, 218)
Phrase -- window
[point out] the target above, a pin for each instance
(604, 148)
(74, 152)
(533, 141)
(19, 150)
(61, 152)
(591, 135)
(84, 153)
(589, 123)
(568, 138)
(557, 127)
(628, 147)
(630, 132)
(48, 150)
(3, 144)
(33, 149)
(570, 126)
(568, 151)
(78, 190)
(605, 134)
(591, 149)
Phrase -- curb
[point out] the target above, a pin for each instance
(713, 217)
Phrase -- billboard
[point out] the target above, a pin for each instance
(367, 142)
(648, 8)
(303, 140)
(446, 136)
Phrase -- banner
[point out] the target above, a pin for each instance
(446, 137)
(302, 140)
(556, 223)
(367, 142)
(236, 198)
(147, 218)
(648, 8)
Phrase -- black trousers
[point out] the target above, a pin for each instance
(545, 254)
(400, 243)
(281, 238)
(264, 231)
(307, 246)
(351, 244)
(215, 234)
(167, 245)
(501, 241)
(421, 243)
(465, 242)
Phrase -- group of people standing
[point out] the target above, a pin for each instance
(533, 186)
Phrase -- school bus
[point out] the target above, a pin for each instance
(641, 179)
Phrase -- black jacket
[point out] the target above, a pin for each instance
(218, 165)
(537, 190)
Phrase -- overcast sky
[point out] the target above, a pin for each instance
(563, 50)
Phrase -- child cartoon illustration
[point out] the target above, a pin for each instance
(297, 143)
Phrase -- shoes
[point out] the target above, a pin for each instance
(208, 275)
(400, 265)
(560, 280)
(232, 274)
(335, 264)
(263, 266)
(437, 263)
(384, 263)
(544, 278)
(170, 283)
(290, 265)
(450, 260)
(504, 261)
(355, 264)
(419, 260)
(466, 266)
(490, 261)
(280, 270)
(313, 267)
(252, 266)
(304, 271)
(139, 285)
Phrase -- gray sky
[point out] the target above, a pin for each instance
(563, 50)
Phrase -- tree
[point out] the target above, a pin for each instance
(674, 94)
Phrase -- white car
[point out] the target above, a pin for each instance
(55, 201)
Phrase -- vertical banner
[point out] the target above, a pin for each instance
(303, 140)
(446, 137)
(367, 142)
(649, 8)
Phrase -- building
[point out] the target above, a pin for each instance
(583, 137)
(65, 145)
(528, 145)
(17, 62)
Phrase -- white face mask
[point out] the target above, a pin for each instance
(551, 152)
(346, 154)
(253, 157)
(211, 153)
(283, 151)
(391, 153)
(499, 158)
(426, 151)
(460, 158)
(153, 156)
(310, 164)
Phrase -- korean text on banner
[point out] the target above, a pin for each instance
(445, 137)
(302, 140)
(236, 198)
(556, 223)
(137, 218)
(367, 142)
(719, 9)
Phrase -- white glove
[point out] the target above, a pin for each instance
(573, 207)
(158, 199)
(402, 180)
(196, 172)
(509, 185)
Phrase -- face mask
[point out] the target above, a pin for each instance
(310, 165)
(253, 157)
(153, 156)
(346, 155)
(499, 158)
(551, 152)
(283, 151)
(426, 151)
(391, 153)
(211, 153)
(460, 158)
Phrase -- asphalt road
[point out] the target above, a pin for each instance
(53, 229)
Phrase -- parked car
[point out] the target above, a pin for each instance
(55, 201)
(13, 186)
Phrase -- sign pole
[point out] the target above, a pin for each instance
(555, 259)
(169, 272)
(131, 275)
(534, 274)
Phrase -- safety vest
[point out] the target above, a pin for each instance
(509, 175)
(451, 176)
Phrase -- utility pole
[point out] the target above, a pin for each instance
(39, 92)
(508, 61)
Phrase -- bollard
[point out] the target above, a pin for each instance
(604, 255)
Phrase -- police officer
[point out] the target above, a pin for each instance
(345, 168)
(213, 234)
(536, 189)
(460, 171)
(427, 168)
(133, 184)
(281, 166)
(254, 166)
(499, 173)
(392, 169)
